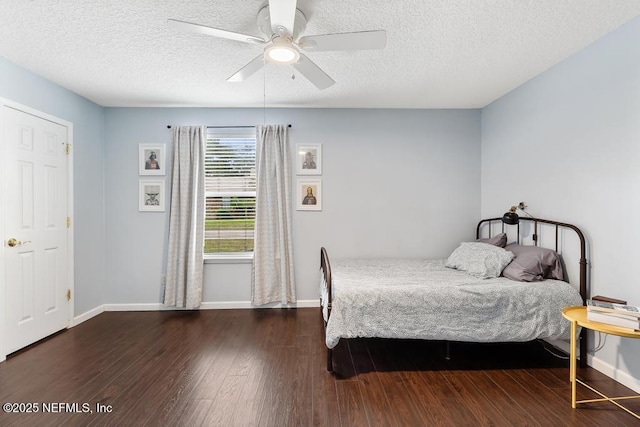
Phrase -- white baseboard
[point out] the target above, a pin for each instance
(615, 373)
(224, 305)
(308, 303)
(135, 307)
(211, 305)
(87, 315)
(603, 367)
(214, 305)
(247, 304)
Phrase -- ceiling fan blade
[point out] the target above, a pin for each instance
(215, 32)
(283, 15)
(248, 70)
(313, 73)
(362, 40)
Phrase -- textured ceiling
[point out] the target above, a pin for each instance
(440, 53)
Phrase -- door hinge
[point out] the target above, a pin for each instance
(68, 148)
(68, 294)
(68, 222)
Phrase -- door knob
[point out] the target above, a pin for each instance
(14, 242)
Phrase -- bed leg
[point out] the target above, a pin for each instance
(329, 360)
(448, 350)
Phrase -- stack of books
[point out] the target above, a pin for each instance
(626, 316)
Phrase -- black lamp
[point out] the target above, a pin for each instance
(511, 217)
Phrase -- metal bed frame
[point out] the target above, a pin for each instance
(325, 267)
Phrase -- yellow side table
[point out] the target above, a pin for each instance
(577, 315)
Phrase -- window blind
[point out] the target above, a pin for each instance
(230, 190)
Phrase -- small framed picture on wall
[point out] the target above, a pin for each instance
(151, 196)
(151, 159)
(309, 195)
(309, 159)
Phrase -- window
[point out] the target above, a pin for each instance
(230, 190)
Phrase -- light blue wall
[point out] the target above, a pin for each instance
(407, 181)
(24, 87)
(568, 143)
(395, 183)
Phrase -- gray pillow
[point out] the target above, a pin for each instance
(479, 259)
(499, 240)
(532, 263)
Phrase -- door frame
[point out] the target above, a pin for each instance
(70, 250)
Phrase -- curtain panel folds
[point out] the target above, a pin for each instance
(186, 222)
(273, 275)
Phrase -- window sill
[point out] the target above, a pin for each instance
(228, 259)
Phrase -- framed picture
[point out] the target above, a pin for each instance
(151, 196)
(309, 195)
(151, 159)
(309, 159)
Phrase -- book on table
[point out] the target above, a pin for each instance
(608, 299)
(614, 319)
(626, 316)
(608, 307)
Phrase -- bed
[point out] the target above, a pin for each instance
(463, 298)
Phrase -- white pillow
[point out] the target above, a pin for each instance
(479, 259)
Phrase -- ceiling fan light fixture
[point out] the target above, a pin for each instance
(282, 24)
(281, 52)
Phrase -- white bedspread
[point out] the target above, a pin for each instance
(410, 298)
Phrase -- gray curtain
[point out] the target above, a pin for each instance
(186, 222)
(273, 278)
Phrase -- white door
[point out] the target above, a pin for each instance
(34, 226)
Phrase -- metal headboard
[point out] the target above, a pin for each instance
(536, 221)
(583, 259)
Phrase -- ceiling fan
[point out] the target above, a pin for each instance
(282, 23)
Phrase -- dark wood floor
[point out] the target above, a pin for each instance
(267, 368)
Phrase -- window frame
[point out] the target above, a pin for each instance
(219, 133)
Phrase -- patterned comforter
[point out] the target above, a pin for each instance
(423, 299)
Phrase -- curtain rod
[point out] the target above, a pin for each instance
(225, 127)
